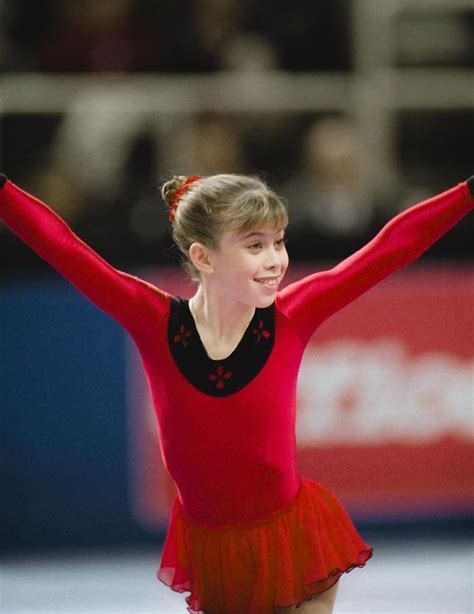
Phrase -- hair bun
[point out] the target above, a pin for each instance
(170, 188)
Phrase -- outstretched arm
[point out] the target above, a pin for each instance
(52, 239)
(311, 300)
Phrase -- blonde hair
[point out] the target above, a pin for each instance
(214, 204)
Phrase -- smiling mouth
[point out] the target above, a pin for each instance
(269, 281)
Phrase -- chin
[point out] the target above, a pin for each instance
(265, 301)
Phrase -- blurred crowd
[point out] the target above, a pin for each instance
(102, 171)
(191, 35)
(106, 184)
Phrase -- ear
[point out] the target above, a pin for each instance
(201, 257)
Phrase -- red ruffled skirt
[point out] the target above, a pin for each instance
(280, 560)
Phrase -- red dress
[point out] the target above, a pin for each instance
(247, 533)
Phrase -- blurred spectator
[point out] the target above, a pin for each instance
(94, 138)
(212, 25)
(53, 186)
(332, 206)
(211, 144)
(83, 36)
(96, 36)
(331, 191)
(312, 36)
(247, 51)
(216, 35)
(24, 24)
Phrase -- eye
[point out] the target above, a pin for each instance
(255, 246)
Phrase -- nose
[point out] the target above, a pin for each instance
(273, 259)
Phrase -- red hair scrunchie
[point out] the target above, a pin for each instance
(180, 192)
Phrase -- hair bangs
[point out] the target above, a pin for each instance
(259, 210)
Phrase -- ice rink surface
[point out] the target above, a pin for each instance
(403, 577)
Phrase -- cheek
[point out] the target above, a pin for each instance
(239, 266)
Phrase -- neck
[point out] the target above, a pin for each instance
(223, 318)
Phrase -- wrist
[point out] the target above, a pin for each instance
(470, 185)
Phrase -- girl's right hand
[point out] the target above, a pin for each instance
(470, 183)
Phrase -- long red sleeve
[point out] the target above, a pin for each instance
(52, 239)
(309, 301)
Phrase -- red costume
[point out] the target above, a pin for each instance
(247, 532)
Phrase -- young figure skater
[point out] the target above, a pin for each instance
(247, 533)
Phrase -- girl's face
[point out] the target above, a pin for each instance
(249, 267)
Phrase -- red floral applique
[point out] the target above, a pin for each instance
(260, 331)
(182, 336)
(220, 376)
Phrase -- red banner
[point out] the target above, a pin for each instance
(385, 401)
